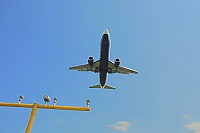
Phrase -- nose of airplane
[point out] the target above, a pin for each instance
(105, 31)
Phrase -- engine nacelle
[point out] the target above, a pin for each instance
(91, 61)
(117, 62)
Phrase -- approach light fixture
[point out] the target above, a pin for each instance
(88, 102)
(54, 101)
(46, 99)
(20, 99)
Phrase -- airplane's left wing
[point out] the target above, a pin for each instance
(86, 67)
(120, 69)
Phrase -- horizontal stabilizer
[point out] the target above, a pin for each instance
(109, 87)
(105, 86)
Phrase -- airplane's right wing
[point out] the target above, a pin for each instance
(86, 67)
(125, 70)
(120, 69)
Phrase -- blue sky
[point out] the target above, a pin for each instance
(39, 40)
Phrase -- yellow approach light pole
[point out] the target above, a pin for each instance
(35, 107)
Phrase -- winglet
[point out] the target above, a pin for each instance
(104, 87)
(136, 72)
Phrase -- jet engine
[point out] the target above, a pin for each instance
(91, 61)
(117, 62)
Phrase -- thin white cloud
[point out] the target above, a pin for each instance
(187, 117)
(121, 126)
(194, 126)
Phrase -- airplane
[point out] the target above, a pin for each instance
(104, 66)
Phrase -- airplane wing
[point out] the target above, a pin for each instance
(86, 67)
(120, 69)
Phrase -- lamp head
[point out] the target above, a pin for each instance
(88, 102)
(20, 99)
(46, 99)
(54, 101)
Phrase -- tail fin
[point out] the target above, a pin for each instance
(105, 86)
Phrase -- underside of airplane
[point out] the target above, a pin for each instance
(104, 66)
